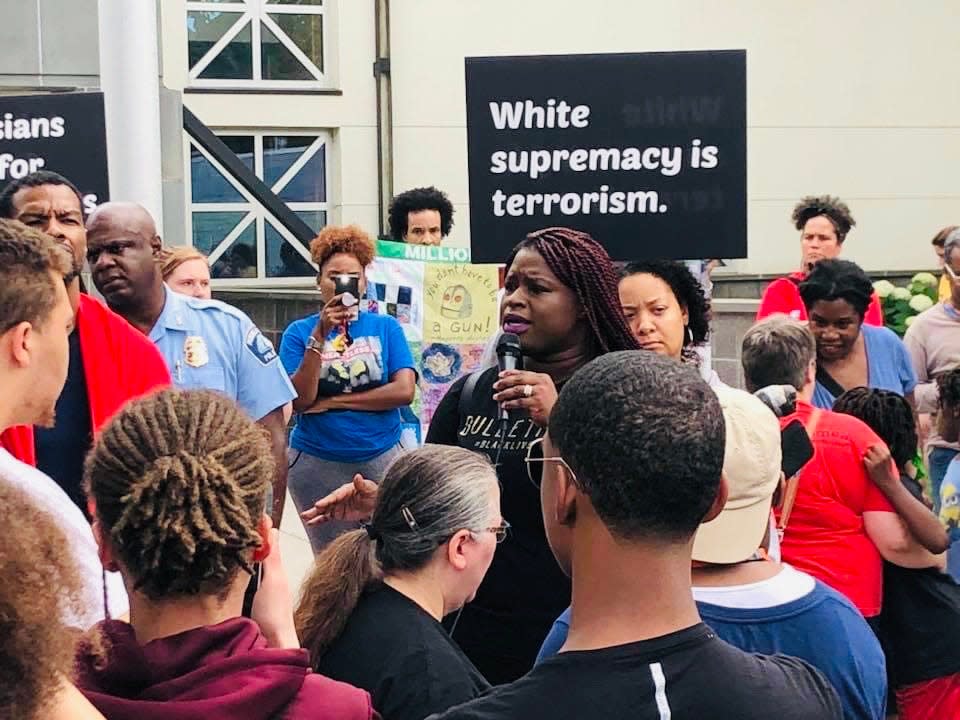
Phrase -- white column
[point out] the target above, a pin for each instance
(130, 78)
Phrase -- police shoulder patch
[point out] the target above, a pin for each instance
(261, 348)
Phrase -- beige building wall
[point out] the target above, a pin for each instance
(857, 98)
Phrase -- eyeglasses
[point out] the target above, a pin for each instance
(500, 531)
(535, 458)
(954, 278)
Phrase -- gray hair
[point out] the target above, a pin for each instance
(428, 495)
(950, 243)
(777, 351)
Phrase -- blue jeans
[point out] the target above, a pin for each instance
(938, 460)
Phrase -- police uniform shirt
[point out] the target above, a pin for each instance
(211, 345)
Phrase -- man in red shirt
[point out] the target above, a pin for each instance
(110, 361)
(823, 223)
(842, 526)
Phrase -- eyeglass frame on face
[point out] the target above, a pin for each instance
(529, 459)
(954, 278)
(500, 532)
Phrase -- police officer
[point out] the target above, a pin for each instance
(206, 343)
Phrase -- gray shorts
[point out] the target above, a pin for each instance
(310, 478)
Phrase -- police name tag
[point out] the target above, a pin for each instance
(261, 348)
(195, 352)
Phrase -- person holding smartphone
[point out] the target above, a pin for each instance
(353, 371)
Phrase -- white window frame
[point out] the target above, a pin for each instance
(254, 12)
(256, 213)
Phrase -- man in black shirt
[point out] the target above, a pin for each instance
(629, 468)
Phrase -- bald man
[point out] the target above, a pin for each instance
(110, 362)
(206, 343)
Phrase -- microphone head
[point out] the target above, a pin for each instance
(782, 399)
(509, 344)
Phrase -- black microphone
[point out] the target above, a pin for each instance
(509, 357)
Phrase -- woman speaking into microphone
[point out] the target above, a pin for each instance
(561, 302)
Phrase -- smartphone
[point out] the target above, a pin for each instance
(346, 283)
(797, 448)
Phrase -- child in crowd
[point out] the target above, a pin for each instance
(920, 622)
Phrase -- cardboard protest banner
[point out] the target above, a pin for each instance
(63, 132)
(448, 311)
(645, 151)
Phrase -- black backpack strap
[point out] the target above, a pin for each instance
(831, 385)
(466, 392)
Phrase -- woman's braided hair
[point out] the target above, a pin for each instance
(581, 263)
(889, 415)
(180, 479)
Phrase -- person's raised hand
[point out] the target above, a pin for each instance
(273, 604)
(880, 466)
(525, 390)
(353, 502)
(332, 314)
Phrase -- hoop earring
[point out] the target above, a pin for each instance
(689, 335)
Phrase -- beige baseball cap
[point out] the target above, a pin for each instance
(752, 467)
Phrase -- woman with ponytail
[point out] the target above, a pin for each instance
(370, 611)
(178, 482)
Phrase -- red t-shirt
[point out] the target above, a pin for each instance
(783, 296)
(825, 536)
(120, 363)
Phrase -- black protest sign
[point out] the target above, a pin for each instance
(62, 132)
(647, 152)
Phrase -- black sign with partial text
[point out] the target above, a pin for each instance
(62, 132)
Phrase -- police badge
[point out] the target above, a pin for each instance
(195, 351)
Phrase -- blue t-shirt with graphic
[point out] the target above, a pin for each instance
(375, 350)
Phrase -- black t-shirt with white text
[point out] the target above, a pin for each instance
(686, 675)
(524, 591)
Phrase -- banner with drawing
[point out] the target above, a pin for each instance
(446, 306)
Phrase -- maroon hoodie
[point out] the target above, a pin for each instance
(218, 672)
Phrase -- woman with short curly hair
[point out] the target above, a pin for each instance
(667, 309)
(352, 370)
(823, 222)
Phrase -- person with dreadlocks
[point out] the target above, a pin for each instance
(920, 622)
(560, 298)
(179, 481)
(850, 354)
(823, 222)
